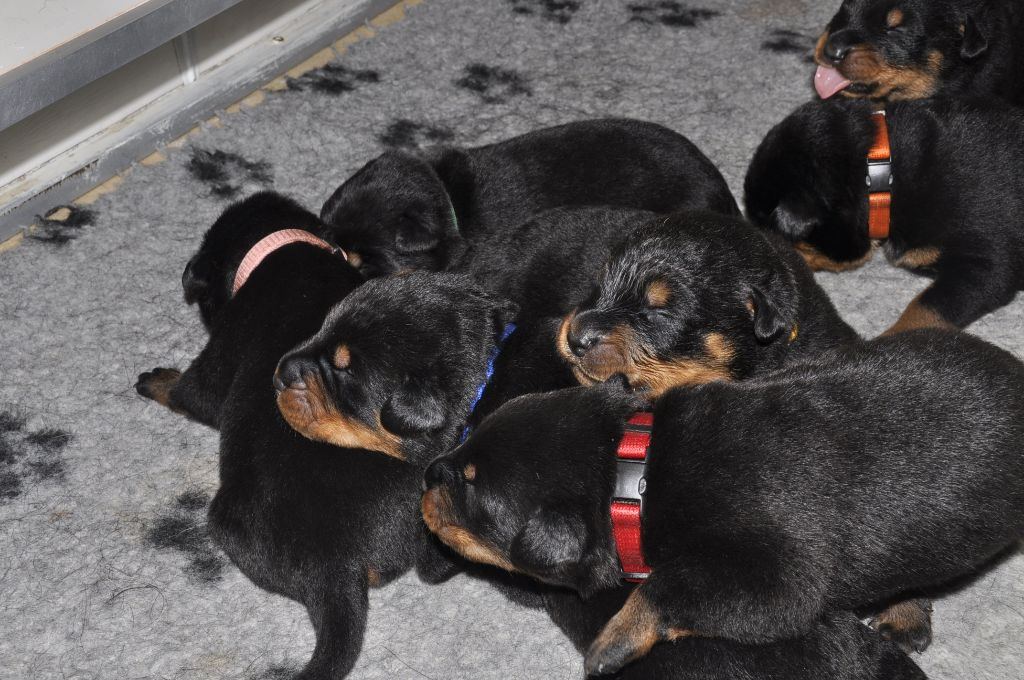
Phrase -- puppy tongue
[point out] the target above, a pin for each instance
(828, 81)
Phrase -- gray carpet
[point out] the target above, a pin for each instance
(105, 567)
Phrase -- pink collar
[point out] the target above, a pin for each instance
(268, 244)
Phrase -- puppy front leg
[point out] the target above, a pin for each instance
(629, 635)
(964, 290)
(747, 596)
(339, 618)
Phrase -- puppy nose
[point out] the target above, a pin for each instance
(290, 372)
(439, 473)
(581, 339)
(838, 46)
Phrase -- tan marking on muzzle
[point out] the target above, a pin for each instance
(438, 516)
(621, 351)
(312, 414)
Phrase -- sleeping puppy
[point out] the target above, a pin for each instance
(400, 365)
(890, 50)
(956, 198)
(836, 647)
(431, 212)
(835, 483)
(695, 297)
(309, 521)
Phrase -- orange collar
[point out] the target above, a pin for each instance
(879, 180)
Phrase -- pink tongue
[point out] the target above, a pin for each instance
(828, 81)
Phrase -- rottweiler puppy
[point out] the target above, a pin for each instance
(432, 211)
(870, 471)
(891, 50)
(694, 297)
(396, 366)
(955, 197)
(402, 365)
(310, 521)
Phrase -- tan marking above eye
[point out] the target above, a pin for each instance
(469, 472)
(354, 258)
(342, 357)
(658, 293)
(894, 18)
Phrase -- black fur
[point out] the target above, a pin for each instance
(956, 189)
(312, 522)
(729, 287)
(403, 211)
(962, 47)
(869, 471)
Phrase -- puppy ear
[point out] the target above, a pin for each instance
(772, 308)
(551, 545)
(975, 44)
(793, 219)
(414, 408)
(417, 233)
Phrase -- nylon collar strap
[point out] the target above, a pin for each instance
(272, 242)
(627, 500)
(491, 359)
(879, 180)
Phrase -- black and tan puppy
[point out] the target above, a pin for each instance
(432, 212)
(891, 50)
(309, 521)
(956, 198)
(695, 297)
(396, 366)
(873, 470)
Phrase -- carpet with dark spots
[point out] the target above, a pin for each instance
(106, 567)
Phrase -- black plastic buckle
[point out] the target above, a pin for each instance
(879, 178)
(630, 483)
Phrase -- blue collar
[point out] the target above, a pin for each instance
(495, 351)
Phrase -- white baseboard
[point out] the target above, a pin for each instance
(62, 151)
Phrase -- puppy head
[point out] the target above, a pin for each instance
(529, 491)
(209, 276)
(393, 214)
(806, 182)
(892, 50)
(394, 366)
(688, 299)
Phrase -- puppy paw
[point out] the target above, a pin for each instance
(908, 624)
(157, 384)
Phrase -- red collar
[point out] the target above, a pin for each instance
(271, 242)
(879, 180)
(627, 501)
